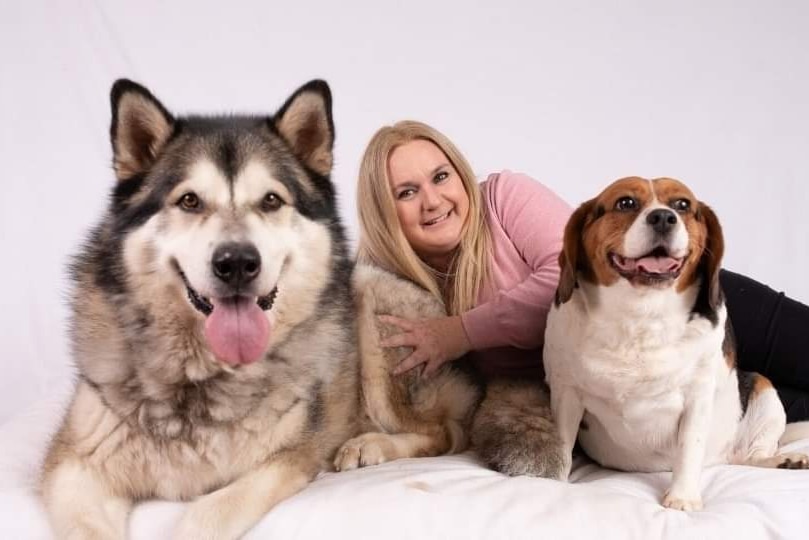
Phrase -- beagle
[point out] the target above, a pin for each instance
(639, 353)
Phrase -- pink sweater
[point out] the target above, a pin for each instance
(507, 327)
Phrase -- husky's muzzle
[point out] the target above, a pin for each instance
(236, 328)
(236, 264)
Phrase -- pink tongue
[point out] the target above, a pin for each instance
(237, 331)
(657, 265)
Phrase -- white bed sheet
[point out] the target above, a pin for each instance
(455, 497)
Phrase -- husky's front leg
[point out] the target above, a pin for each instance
(231, 511)
(568, 411)
(692, 436)
(81, 506)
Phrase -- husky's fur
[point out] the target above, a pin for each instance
(404, 416)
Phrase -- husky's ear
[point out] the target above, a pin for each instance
(711, 260)
(140, 128)
(305, 122)
(572, 257)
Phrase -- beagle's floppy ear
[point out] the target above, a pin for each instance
(571, 258)
(711, 260)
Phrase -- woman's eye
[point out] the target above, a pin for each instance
(405, 194)
(626, 203)
(271, 202)
(190, 202)
(681, 205)
(440, 177)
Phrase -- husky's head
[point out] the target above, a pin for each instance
(227, 224)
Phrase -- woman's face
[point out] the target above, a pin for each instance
(431, 202)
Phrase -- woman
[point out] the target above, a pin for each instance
(489, 251)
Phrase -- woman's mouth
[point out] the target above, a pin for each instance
(437, 220)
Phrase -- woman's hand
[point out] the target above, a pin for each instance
(434, 342)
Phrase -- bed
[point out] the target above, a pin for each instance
(453, 497)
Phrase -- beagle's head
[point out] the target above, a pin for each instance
(651, 233)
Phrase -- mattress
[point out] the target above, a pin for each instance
(454, 497)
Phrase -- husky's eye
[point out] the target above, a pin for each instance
(190, 202)
(681, 205)
(625, 204)
(271, 202)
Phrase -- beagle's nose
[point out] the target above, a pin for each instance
(662, 220)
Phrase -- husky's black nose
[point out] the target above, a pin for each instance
(662, 220)
(236, 264)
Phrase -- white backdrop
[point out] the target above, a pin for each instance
(574, 93)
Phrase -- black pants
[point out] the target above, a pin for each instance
(772, 338)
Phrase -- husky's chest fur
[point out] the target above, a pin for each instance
(203, 458)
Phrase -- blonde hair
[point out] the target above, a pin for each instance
(382, 241)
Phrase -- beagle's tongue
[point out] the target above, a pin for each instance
(237, 330)
(657, 265)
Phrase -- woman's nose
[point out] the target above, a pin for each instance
(431, 199)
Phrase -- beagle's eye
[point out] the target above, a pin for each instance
(626, 204)
(190, 202)
(271, 202)
(681, 205)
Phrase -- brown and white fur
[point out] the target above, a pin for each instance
(639, 353)
(407, 415)
(507, 422)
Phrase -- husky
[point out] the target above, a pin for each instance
(212, 328)
(225, 347)
(407, 415)
(506, 422)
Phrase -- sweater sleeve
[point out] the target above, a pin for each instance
(533, 218)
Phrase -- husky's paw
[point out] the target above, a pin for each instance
(212, 517)
(367, 449)
(793, 461)
(687, 502)
(197, 524)
(92, 533)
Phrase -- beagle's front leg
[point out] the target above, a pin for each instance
(568, 411)
(692, 437)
